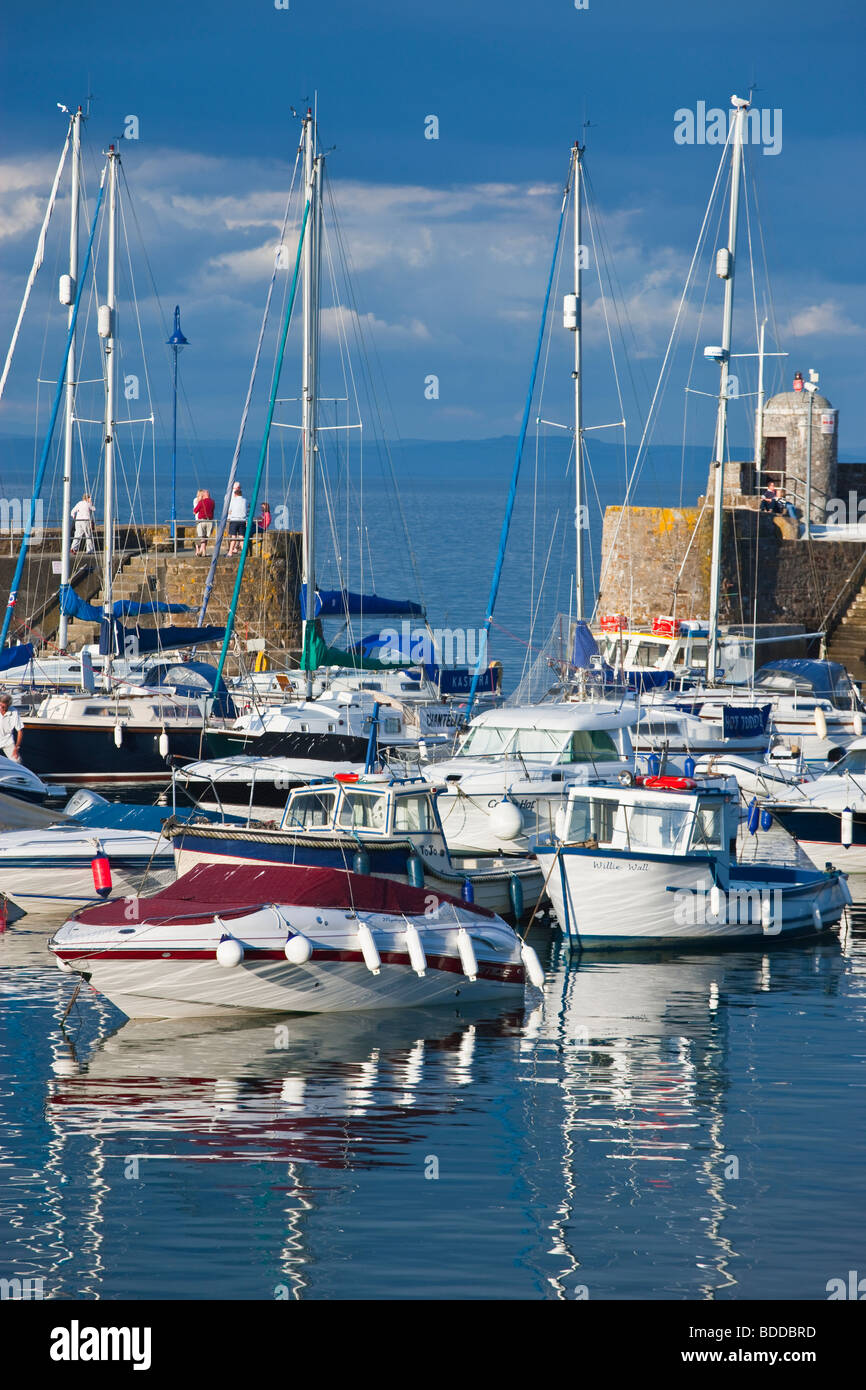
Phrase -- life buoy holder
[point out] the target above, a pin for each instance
(672, 784)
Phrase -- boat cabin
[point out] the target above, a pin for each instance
(701, 820)
(584, 732)
(364, 806)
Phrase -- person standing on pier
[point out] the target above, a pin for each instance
(82, 515)
(238, 511)
(203, 510)
(11, 730)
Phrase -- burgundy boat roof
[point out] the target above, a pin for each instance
(210, 888)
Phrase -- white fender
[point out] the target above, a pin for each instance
(716, 900)
(372, 959)
(847, 828)
(163, 744)
(560, 823)
(417, 958)
(532, 966)
(506, 820)
(858, 723)
(118, 735)
(466, 952)
(298, 949)
(229, 952)
(820, 723)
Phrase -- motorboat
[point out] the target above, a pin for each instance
(655, 862)
(827, 815)
(375, 823)
(291, 940)
(513, 770)
(23, 796)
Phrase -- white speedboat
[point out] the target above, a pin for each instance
(254, 787)
(291, 940)
(502, 789)
(372, 823)
(656, 863)
(23, 796)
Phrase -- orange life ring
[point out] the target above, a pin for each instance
(346, 776)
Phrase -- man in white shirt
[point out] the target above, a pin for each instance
(11, 730)
(237, 519)
(82, 515)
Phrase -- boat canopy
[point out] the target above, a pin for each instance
(114, 638)
(192, 680)
(73, 606)
(21, 655)
(210, 888)
(796, 675)
(341, 603)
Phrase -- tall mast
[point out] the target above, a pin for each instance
(310, 385)
(725, 262)
(108, 331)
(68, 297)
(578, 395)
(759, 412)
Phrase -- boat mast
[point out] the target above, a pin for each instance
(108, 332)
(759, 412)
(725, 261)
(68, 297)
(577, 375)
(310, 384)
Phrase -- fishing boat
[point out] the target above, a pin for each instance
(291, 940)
(372, 823)
(655, 862)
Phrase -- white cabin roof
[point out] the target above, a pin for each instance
(579, 714)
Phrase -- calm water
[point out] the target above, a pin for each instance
(680, 1127)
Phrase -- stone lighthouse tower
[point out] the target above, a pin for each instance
(785, 435)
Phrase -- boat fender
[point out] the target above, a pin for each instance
(466, 951)
(163, 744)
(229, 952)
(560, 823)
(361, 862)
(847, 836)
(689, 766)
(467, 892)
(298, 949)
(118, 735)
(672, 784)
(372, 959)
(820, 723)
(506, 820)
(653, 764)
(753, 818)
(766, 819)
(816, 917)
(716, 902)
(532, 966)
(515, 896)
(858, 724)
(101, 870)
(415, 871)
(417, 958)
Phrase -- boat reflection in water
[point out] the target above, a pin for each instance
(628, 1138)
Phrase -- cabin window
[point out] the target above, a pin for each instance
(590, 746)
(108, 711)
(413, 813)
(542, 745)
(592, 820)
(707, 833)
(485, 741)
(311, 810)
(363, 811)
(655, 827)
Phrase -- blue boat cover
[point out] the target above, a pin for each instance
(117, 640)
(16, 656)
(341, 603)
(73, 606)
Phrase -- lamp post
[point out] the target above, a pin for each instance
(177, 342)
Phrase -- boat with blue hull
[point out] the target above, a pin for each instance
(657, 862)
(375, 824)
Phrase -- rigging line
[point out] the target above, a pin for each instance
(384, 447)
(233, 470)
(262, 455)
(668, 350)
(524, 424)
(37, 259)
(61, 382)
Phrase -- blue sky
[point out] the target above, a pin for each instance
(450, 238)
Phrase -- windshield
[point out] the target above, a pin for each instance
(363, 810)
(853, 762)
(311, 810)
(413, 813)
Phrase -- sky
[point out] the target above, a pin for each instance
(450, 239)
